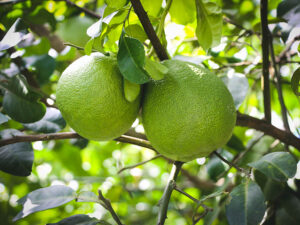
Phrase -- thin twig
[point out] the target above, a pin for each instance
(144, 19)
(82, 9)
(139, 164)
(164, 201)
(265, 56)
(279, 89)
(231, 164)
(109, 207)
(186, 194)
(283, 54)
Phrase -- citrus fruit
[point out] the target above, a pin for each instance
(91, 99)
(73, 30)
(189, 113)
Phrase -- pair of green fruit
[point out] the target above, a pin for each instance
(186, 115)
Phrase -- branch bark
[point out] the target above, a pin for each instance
(144, 19)
(164, 202)
(265, 54)
(138, 139)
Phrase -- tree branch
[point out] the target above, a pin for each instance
(231, 164)
(164, 202)
(265, 54)
(109, 207)
(263, 126)
(137, 139)
(139, 164)
(82, 9)
(144, 19)
(279, 89)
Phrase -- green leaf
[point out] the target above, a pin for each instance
(3, 118)
(89, 46)
(214, 168)
(247, 205)
(52, 122)
(155, 69)
(277, 165)
(117, 4)
(183, 12)
(21, 103)
(23, 110)
(40, 47)
(295, 81)
(14, 35)
(209, 24)
(152, 7)
(235, 143)
(131, 60)
(238, 86)
(136, 31)
(44, 66)
(131, 90)
(16, 159)
(79, 219)
(45, 198)
(272, 189)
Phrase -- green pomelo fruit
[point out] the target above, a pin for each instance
(90, 97)
(189, 113)
(73, 30)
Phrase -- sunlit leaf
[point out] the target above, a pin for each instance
(155, 69)
(209, 23)
(277, 165)
(45, 198)
(183, 12)
(247, 205)
(136, 31)
(16, 159)
(14, 35)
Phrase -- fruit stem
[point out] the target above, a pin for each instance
(164, 201)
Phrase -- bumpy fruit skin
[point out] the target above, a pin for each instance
(189, 113)
(73, 30)
(91, 99)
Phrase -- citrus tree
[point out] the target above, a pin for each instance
(149, 112)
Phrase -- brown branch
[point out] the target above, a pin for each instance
(144, 19)
(137, 139)
(263, 126)
(231, 164)
(279, 89)
(82, 9)
(165, 199)
(265, 55)
(109, 207)
(139, 164)
(42, 31)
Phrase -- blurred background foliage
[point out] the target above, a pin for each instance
(89, 165)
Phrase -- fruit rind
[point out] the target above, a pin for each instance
(189, 113)
(90, 96)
